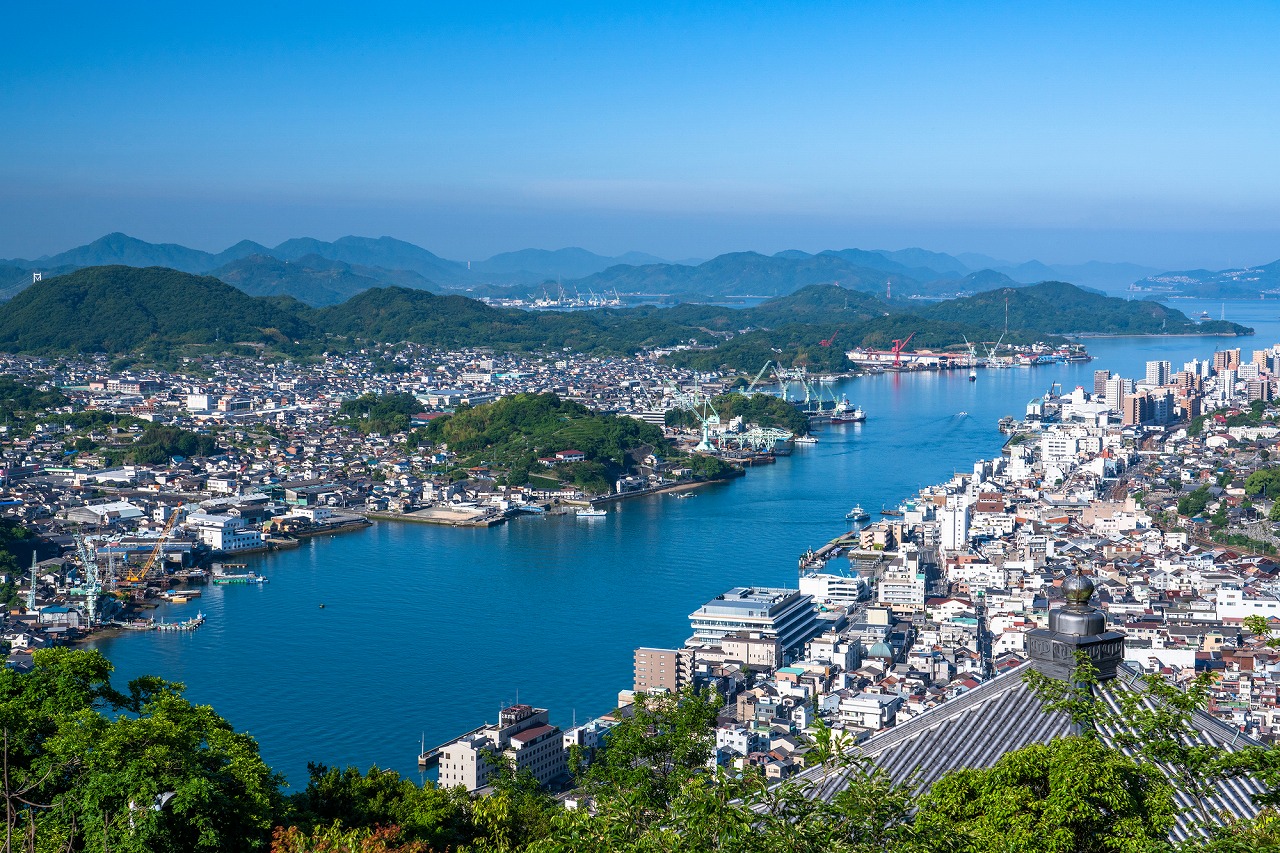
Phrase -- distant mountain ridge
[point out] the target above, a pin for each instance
(385, 260)
(1245, 282)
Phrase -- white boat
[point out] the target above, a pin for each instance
(805, 439)
(591, 513)
(857, 514)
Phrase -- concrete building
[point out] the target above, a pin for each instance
(1158, 372)
(832, 588)
(522, 735)
(662, 670)
(786, 615)
(226, 533)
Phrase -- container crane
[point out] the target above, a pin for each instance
(140, 575)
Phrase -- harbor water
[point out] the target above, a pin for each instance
(363, 643)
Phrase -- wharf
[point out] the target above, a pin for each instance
(441, 515)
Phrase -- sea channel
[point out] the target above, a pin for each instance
(426, 631)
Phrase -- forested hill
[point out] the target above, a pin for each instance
(1055, 307)
(124, 309)
(121, 309)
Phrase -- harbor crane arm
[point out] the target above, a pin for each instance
(142, 573)
(829, 341)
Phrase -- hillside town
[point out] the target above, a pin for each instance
(1155, 487)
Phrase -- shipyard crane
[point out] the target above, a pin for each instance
(700, 405)
(751, 389)
(141, 574)
(92, 582)
(827, 342)
(898, 347)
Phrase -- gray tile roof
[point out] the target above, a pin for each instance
(1003, 715)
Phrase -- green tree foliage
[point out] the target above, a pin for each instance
(94, 761)
(654, 753)
(1072, 794)
(1194, 503)
(18, 399)
(1265, 482)
(120, 309)
(158, 443)
(385, 414)
(512, 433)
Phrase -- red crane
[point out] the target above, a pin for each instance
(898, 347)
(829, 340)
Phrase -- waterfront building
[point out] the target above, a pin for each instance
(833, 588)
(662, 670)
(785, 615)
(226, 533)
(523, 735)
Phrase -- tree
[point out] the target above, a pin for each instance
(1071, 794)
(139, 771)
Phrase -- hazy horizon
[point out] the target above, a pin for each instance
(1060, 132)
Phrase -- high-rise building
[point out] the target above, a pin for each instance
(1227, 359)
(1100, 378)
(786, 615)
(662, 670)
(1157, 373)
(1115, 393)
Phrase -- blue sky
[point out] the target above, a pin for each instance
(1058, 131)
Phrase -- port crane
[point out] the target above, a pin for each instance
(829, 341)
(140, 575)
(898, 347)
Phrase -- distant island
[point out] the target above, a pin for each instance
(158, 312)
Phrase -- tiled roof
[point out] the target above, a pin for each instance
(1003, 715)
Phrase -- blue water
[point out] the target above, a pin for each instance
(427, 631)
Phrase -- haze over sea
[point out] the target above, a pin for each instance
(426, 631)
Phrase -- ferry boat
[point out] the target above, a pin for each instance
(894, 513)
(857, 514)
(248, 577)
(973, 374)
(591, 513)
(805, 439)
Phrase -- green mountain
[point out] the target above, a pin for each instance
(311, 279)
(1058, 308)
(120, 308)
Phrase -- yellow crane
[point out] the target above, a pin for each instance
(141, 574)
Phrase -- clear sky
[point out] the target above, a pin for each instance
(1064, 132)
